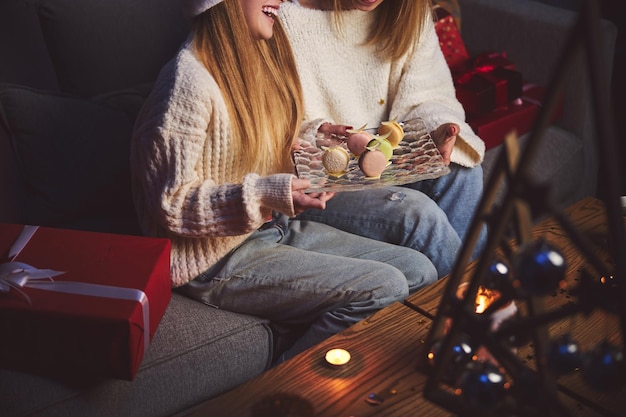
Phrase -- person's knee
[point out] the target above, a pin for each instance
(394, 286)
(417, 270)
(413, 208)
(423, 275)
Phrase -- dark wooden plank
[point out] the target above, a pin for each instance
(385, 351)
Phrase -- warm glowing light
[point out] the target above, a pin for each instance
(484, 298)
(337, 357)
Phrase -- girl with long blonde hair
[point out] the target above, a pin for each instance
(212, 171)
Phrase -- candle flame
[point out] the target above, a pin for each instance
(337, 357)
(484, 298)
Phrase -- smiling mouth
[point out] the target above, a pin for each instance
(270, 11)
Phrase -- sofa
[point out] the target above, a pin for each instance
(73, 75)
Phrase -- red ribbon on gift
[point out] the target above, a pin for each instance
(467, 76)
(496, 59)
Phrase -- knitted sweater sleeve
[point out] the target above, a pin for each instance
(425, 90)
(183, 162)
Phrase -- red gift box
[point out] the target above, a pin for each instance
(95, 318)
(485, 83)
(518, 116)
(450, 39)
(493, 59)
(482, 84)
(476, 93)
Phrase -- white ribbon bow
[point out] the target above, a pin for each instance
(18, 275)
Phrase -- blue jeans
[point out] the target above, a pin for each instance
(302, 272)
(458, 194)
(430, 216)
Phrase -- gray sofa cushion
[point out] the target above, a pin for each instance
(25, 58)
(73, 156)
(560, 153)
(105, 45)
(194, 344)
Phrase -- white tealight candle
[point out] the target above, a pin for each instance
(337, 357)
(502, 314)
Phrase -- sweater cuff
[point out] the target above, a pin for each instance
(274, 192)
(309, 128)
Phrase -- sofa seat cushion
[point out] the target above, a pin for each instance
(198, 352)
(73, 156)
(557, 161)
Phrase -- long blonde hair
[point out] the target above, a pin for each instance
(259, 83)
(398, 25)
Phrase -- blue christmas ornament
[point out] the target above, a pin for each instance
(539, 268)
(461, 354)
(483, 385)
(498, 277)
(497, 272)
(564, 355)
(604, 367)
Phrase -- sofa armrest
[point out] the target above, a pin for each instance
(534, 36)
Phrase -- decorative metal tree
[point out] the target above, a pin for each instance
(472, 365)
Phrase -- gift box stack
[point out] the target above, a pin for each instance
(489, 86)
(79, 304)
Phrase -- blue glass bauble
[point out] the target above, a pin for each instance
(498, 277)
(461, 354)
(564, 355)
(539, 268)
(483, 385)
(604, 367)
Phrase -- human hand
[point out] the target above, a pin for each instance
(331, 129)
(303, 201)
(445, 138)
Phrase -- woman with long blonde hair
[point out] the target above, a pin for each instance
(212, 172)
(364, 62)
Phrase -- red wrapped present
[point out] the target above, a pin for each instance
(493, 59)
(450, 39)
(477, 93)
(75, 303)
(485, 83)
(498, 65)
(518, 116)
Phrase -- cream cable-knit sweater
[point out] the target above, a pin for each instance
(345, 83)
(182, 164)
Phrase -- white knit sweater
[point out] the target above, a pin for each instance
(345, 82)
(182, 163)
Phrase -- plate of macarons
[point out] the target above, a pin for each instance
(394, 153)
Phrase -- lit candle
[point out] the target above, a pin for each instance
(484, 298)
(337, 357)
